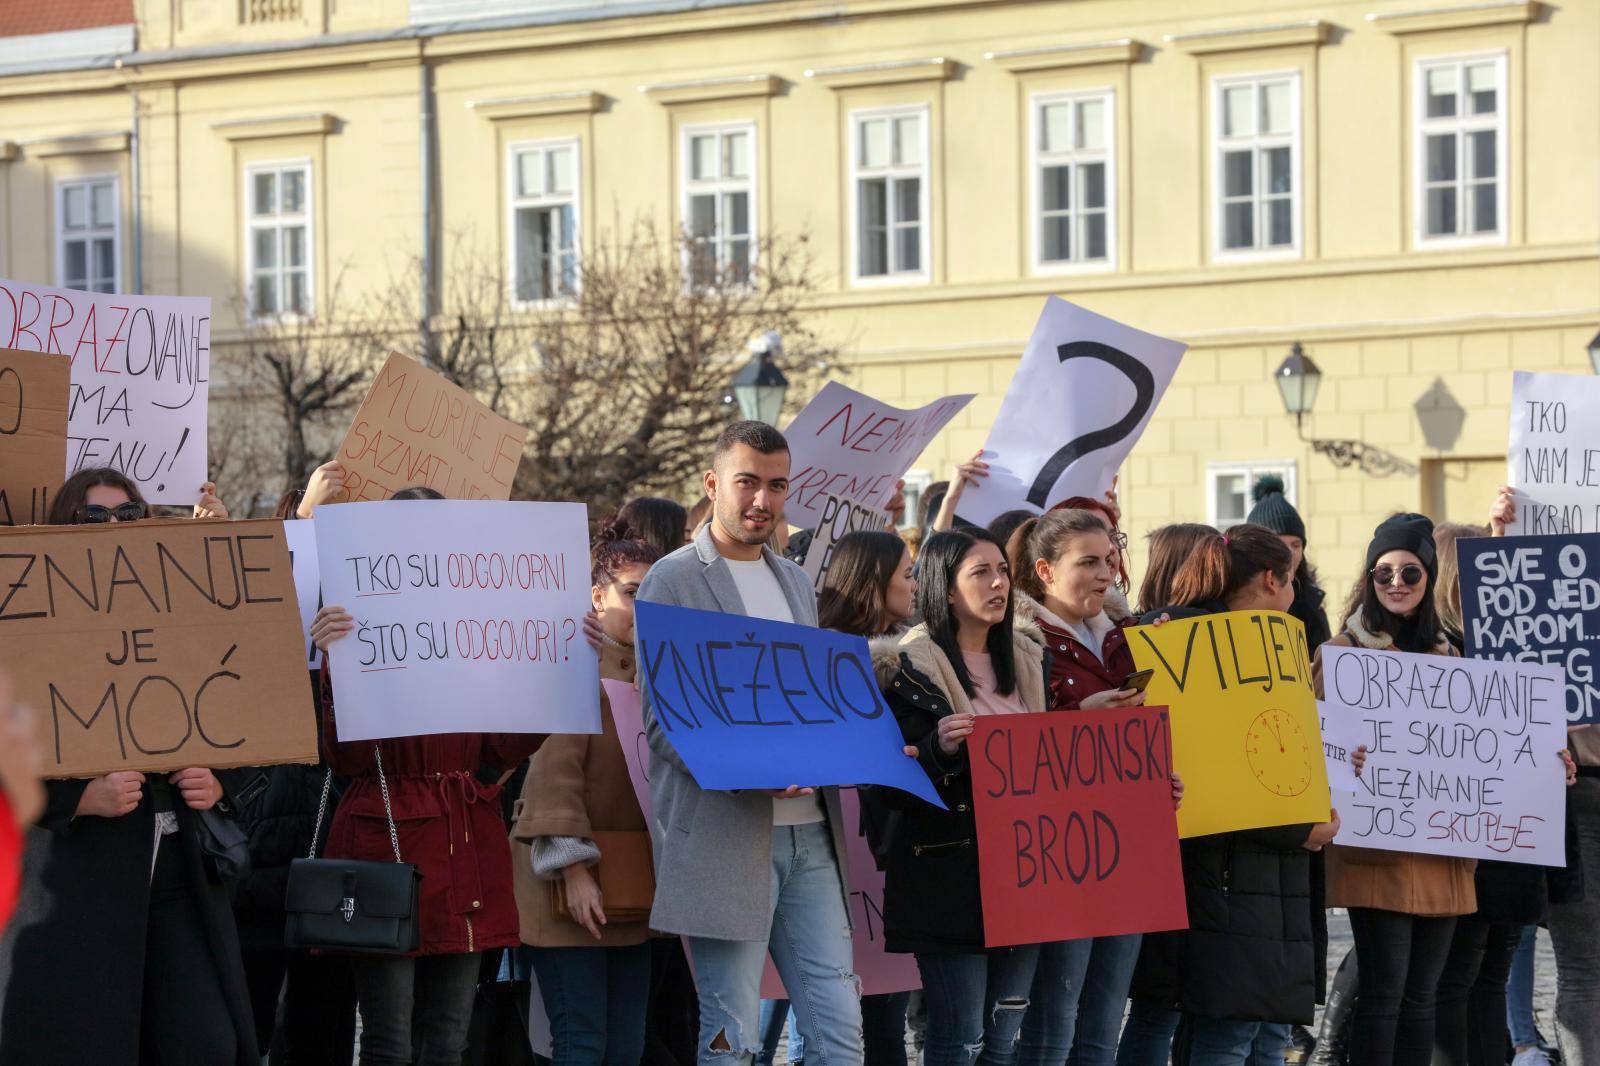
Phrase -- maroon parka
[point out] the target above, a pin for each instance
(448, 822)
(1076, 672)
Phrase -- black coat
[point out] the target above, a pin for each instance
(1256, 945)
(276, 806)
(931, 899)
(74, 993)
(1309, 608)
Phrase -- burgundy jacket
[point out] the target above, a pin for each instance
(1075, 672)
(448, 821)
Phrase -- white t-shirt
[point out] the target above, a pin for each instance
(763, 597)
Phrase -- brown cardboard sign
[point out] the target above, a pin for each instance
(156, 645)
(34, 394)
(416, 428)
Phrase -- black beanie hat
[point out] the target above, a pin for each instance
(1406, 532)
(1273, 510)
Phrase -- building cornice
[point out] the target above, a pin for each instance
(892, 72)
(731, 88)
(1456, 16)
(581, 102)
(1245, 38)
(251, 129)
(1062, 56)
(79, 144)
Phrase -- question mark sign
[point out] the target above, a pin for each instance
(1144, 386)
(568, 628)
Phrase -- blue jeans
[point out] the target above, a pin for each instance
(596, 1000)
(774, 1012)
(1105, 999)
(1519, 992)
(1052, 1017)
(812, 950)
(1271, 1044)
(976, 1003)
(1228, 1042)
(1147, 1038)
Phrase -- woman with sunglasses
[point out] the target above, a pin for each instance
(127, 950)
(1403, 906)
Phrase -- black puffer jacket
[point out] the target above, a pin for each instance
(1309, 608)
(277, 809)
(930, 857)
(1255, 934)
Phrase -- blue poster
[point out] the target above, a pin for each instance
(749, 703)
(1537, 599)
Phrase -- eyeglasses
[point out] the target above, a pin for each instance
(93, 513)
(1411, 574)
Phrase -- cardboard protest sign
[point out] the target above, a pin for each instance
(1554, 462)
(879, 971)
(1462, 755)
(1536, 600)
(847, 444)
(1245, 736)
(1076, 832)
(1081, 396)
(840, 517)
(416, 428)
(468, 613)
(140, 367)
(156, 645)
(301, 535)
(751, 703)
(34, 391)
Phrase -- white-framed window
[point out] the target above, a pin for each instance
(917, 482)
(1461, 149)
(89, 234)
(1074, 180)
(543, 180)
(1256, 133)
(1228, 487)
(719, 201)
(889, 202)
(278, 238)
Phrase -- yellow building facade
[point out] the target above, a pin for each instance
(1410, 191)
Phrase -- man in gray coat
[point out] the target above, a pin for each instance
(740, 872)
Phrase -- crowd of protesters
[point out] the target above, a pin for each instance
(646, 939)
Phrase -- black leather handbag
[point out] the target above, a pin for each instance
(349, 905)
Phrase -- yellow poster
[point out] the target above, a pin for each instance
(1245, 733)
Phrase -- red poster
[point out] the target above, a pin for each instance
(1076, 832)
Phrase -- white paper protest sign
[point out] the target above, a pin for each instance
(302, 537)
(468, 614)
(1555, 458)
(1341, 736)
(1461, 754)
(847, 444)
(840, 517)
(1081, 396)
(140, 367)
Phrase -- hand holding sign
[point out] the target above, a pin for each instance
(1052, 439)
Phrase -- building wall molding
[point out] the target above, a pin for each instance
(1245, 38)
(580, 102)
(895, 72)
(79, 144)
(1062, 56)
(1456, 16)
(731, 88)
(251, 129)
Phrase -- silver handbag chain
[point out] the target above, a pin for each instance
(388, 810)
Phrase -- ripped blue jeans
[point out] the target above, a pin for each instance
(976, 1004)
(813, 953)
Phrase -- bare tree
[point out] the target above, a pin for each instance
(623, 384)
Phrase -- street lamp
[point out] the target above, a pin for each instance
(1594, 353)
(1299, 379)
(759, 387)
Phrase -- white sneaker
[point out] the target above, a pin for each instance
(1534, 1056)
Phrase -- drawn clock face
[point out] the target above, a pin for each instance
(1279, 753)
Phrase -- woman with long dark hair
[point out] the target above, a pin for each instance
(1066, 565)
(134, 957)
(1250, 962)
(965, 659)
(1403, 905)
(578, 812)
(659, 522)
(416, 1008)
